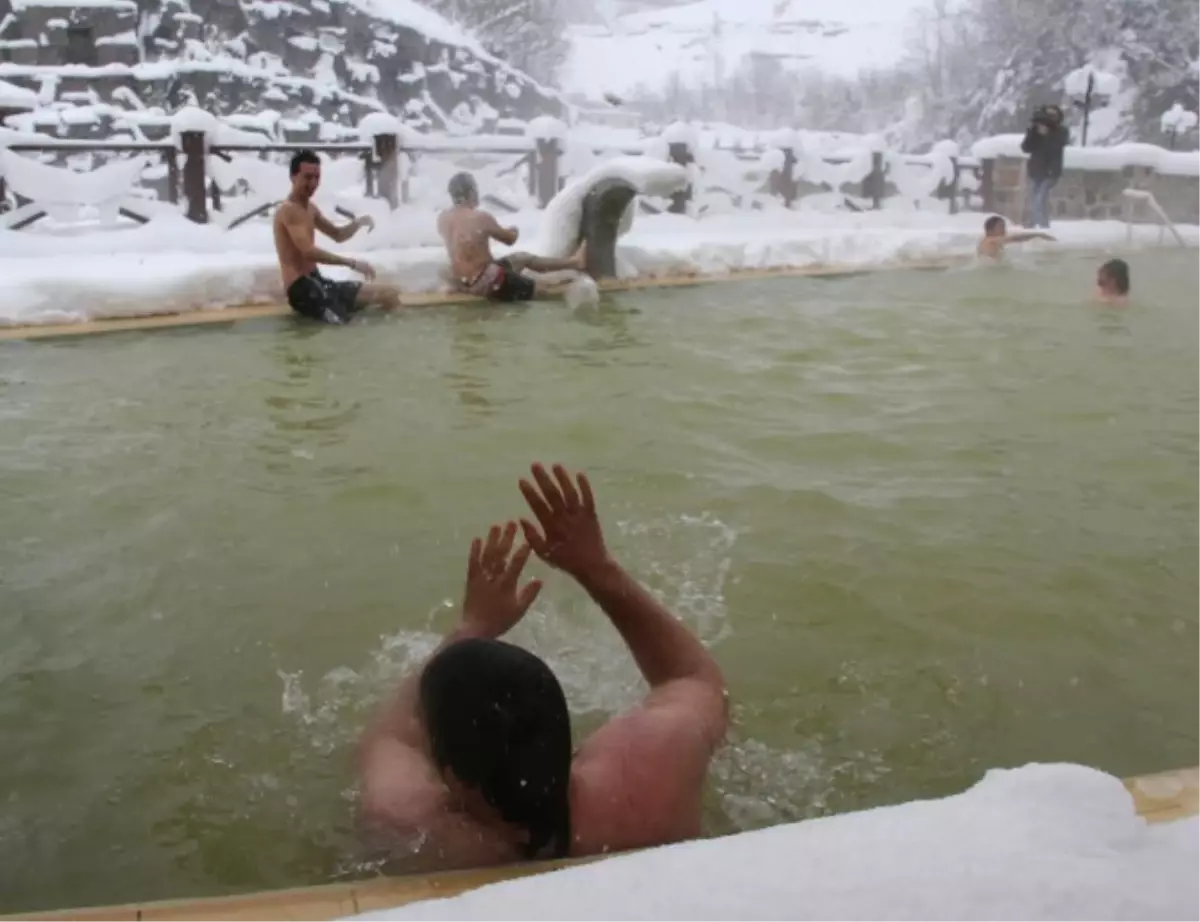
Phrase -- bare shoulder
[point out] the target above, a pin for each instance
(641, 775)
(290, 213)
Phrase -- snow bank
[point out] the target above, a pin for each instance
(1039, 842)
(1179, 163)
(560, 225)
(172, 265)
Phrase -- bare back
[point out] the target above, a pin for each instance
(467, 233)
(293, 220)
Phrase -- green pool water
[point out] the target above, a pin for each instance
(929, 522)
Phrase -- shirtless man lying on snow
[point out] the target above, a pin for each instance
(309, 293)
(468, 232)
(471, 763)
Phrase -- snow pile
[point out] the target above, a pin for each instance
(1178, 120)
(1039, 842)
(1116, 158)
(561, 222)
(193, 118)
(547, 128)
(1102, 84)
(373, 124)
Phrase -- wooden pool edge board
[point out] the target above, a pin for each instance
(1158, 798)
(236, 313)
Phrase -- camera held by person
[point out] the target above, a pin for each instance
(1044, 142)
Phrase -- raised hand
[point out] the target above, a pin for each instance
(570, 538)
(492, 600)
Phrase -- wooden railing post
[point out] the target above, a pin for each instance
(172, 158)
(387, 153)
(679, 152)
(874, 180)
(368, 174)
(954, 186)
(987, 183)
(787, 177)
(195, 186)
(547, 153)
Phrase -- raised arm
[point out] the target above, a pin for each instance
(1027, 235)
(403, 799)
(343, 233)
(296, 225)
(650, 762)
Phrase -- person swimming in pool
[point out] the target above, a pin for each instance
(468, 231)
(470, 763)
(1112, 282)
(297, 220)
(996, 237)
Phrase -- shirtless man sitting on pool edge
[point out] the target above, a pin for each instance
(470, 763)
(468, 231)
(309, 293)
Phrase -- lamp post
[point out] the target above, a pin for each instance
(1084, 85)
(1176, 121)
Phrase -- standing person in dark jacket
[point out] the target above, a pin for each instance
(1044, 142)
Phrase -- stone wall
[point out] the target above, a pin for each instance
(1097, 194)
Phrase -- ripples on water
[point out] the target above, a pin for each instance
(929, 524)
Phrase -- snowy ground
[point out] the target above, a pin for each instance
(171, 265)
(1039, 842)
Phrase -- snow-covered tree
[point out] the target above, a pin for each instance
(528, 34)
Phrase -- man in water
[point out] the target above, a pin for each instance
(309, 293)
(996, 237)
(1112, 282)
(468, 231)
(471, 763)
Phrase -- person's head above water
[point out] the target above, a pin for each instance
(463, 190)
(499, 729)
(994, 226)
(305, 171)
(1112, 278)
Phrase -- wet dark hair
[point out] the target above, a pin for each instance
(1118, 271)
(462, 188)
(300, 158)
(992, 223)
(497, 718)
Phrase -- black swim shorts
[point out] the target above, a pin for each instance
(500, 282)
(319, 298)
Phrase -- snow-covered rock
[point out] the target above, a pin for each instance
(337, 61)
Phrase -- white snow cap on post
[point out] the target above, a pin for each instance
(546, 128)
(1103, 84)
(945, 148)
(193, 118)
(784, 139)
(1178, 119)
(681, 133)
(374, 124)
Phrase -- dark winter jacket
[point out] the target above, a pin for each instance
(1045, 152)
